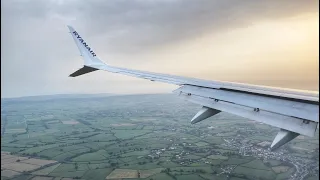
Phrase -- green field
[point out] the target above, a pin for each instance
(256, 164)
(91, 137)
(46, 171)
(219, 157)
(254, 173)
(89, 157)
(97, 174)
(237, 160)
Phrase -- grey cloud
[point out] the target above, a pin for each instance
(35, 46)
(137, 25)
(134, 25)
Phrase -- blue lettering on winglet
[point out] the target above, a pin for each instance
(84, 43)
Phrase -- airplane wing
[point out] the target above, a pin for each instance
(295, 112)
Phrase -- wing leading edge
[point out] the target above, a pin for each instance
(293, 111)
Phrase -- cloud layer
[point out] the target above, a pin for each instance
(37, 53)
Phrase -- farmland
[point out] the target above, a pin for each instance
(141, 137)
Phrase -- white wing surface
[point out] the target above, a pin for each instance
(295, 112)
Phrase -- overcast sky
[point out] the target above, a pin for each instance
(259, 42)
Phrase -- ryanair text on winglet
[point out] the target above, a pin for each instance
(84, 43)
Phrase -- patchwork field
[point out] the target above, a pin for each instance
(142, 137)
(123, 173)
(12, 165)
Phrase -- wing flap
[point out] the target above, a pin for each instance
(280, 106)
(289, 123)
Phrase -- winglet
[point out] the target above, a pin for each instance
(91, 61)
